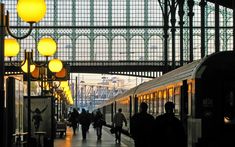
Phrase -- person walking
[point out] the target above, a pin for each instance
(142, 127)
(98, 123)
(89, 115)
(74, 120)
(169, 129)
(118, 120)
(85, 122)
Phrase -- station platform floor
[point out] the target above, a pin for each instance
(107, 140)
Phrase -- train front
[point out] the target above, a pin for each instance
(214, 105)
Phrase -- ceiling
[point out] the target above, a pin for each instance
(225, 3)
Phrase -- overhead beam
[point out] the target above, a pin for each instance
(225, 3)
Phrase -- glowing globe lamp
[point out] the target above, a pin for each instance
(55, 65)
(64, 84)
(25, 67)
(11, 47)
(31, 10)
(47, 46)
(65, 89)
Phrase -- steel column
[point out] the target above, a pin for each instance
(2, 73)
(202, 4)
(181, 23)
(173, 6)
(165, 28)
(233, 25)
(190, 14)
(217, 29)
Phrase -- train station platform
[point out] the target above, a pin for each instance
(108, 139)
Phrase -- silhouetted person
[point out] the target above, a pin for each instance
(37, 118)
(118, 120)
(98, 123)
(69, 119)
(74, 120)
(89, 120)
(85, 122)
(169, 129)
(142, 127)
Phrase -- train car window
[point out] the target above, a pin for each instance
(108, 113)
(161, 102)
(165, 99)
(144, 100)
(156, 108)
(229, 107)
(177, 100)
(151, 101)
(165, 95)
(140, 99)
(147, 101)
(170, 94)
(152, 97)
(190, 94)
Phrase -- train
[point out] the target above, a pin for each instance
(204, 95)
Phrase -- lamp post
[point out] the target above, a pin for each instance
(46, 47)
(31, 11)
(54, 66)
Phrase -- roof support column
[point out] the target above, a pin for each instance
(202, 4)
(181, 23)
(128, 36)
(173, 6)
(190, 14)
(217, 29)
(146, 39)
(110, 39)
(234, 25)
(73, 31)
(165, 13)
(92, 36)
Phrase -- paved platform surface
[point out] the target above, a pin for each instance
(108, 139)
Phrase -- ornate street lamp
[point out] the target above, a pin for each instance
(46, 47)
(31, 11)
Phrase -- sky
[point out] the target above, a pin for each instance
(129, 81)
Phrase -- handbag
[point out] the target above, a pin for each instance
(102, 122)
(112, 130)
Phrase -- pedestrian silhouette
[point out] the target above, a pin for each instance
(169, 129)
(142, 127)
(37, 117)
(89, 120)
(118, 120)
(74, 118)
(98, 123)
(85, 122)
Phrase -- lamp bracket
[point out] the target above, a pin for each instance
(40, 65)
(43, 64)
(51, 86)
(11, 34)
(16, 64)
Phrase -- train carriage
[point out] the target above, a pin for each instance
(204, 96)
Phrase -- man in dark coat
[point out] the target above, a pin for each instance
(98, 123)
(169, 129)
(74, 120)
(142, 127)
(85, 122)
